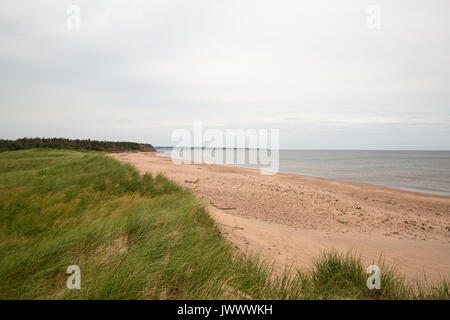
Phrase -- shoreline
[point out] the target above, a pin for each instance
(290, 219)
(414, 190)
(392, 188)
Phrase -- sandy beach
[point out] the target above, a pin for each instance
(291, 219)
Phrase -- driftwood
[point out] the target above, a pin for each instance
(234, 227)
(189, 181)
(221, 208)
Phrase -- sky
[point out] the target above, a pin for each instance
(325, 73)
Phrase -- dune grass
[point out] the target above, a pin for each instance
(143, 237)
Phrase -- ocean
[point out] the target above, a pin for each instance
(421, 171)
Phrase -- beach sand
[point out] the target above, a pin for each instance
(291, 219)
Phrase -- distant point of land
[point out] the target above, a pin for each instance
(77, 144)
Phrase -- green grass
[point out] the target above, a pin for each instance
(143, 237)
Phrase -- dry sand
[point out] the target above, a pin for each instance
(291, 219)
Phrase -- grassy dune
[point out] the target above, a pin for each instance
(143, 237)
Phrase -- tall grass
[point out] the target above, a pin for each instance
(142, 237)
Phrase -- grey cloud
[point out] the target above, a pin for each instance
(137, 70)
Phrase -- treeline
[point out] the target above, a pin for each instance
(77, 144)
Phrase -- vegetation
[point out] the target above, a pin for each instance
(143, 237)
(83, 145)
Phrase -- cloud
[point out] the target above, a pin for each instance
(140, 69)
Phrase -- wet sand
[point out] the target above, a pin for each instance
(291, 219)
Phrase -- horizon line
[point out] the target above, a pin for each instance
(290, 149)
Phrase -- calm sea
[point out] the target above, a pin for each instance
(423, 171)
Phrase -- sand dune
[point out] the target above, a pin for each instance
(290, 219)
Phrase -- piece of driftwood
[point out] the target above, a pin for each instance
(234, 227)
(221, 208)
(189, 181)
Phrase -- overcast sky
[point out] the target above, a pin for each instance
(137, 70)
